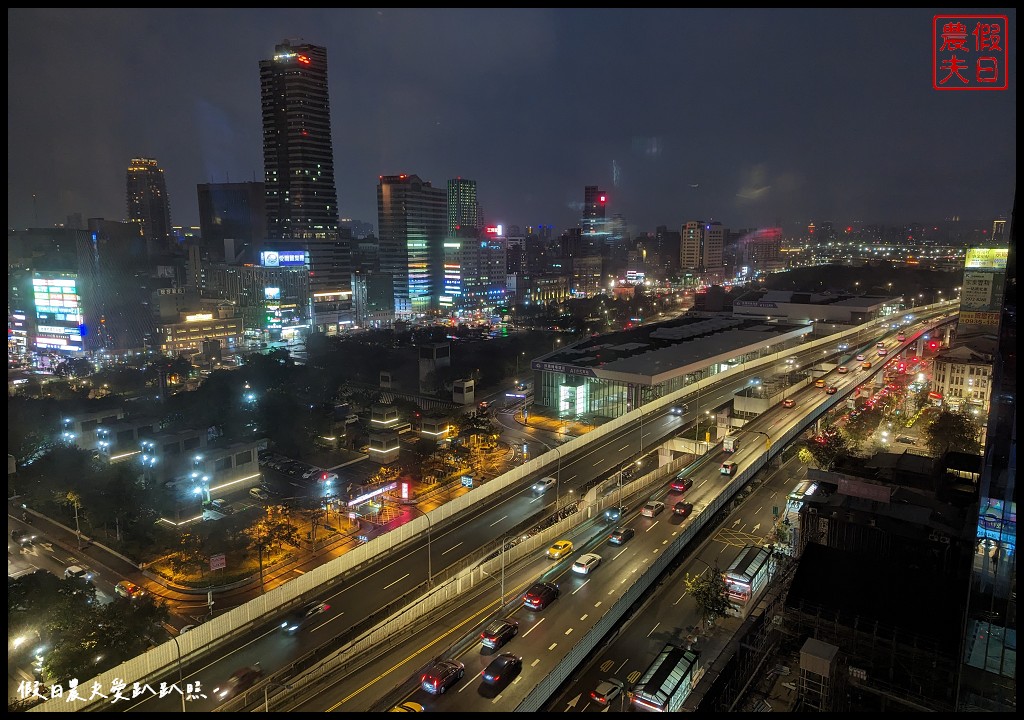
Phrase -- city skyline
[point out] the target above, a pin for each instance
(753, 119)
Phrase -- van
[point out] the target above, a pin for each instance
(728, 468)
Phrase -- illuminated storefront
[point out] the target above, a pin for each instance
(58, 312)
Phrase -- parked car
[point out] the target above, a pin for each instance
(621, 535)
(259, 493)
(540, 595)
(652, 508)
(502, 669)
(441, 675)
(560, 549)
(682, 508)
(585, 563)
(606, 691)
(499, 632)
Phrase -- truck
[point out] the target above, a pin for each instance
(730, 442)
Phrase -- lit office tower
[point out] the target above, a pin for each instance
(463, 211)
(298, 168)
(700, 246)
(412, 218)
(593, 221)
(148, 204)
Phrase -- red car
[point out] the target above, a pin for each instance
(241, 680)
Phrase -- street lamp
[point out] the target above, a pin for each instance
(180, 681)
(430, 570)
(266, 693)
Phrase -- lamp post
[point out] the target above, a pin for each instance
(180, 681)
(266, 693)
(430, 570)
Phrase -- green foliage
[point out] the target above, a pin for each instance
(858, 429)
(827, 453)
(952, 432)
(709, 592)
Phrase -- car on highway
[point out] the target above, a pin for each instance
(238, 682)
(544, 484)
(819, 383)
(585, 563)
(615, 513)
(860, 358)
(866, 365)
(301, 617)
(676, 410)
(621, 535)
(441, 675)
(22, 538)
(652, 508)
(727, 468)
(128, 589)
(788, 403)
(831, 390)
(499, 632)
(560, 549)
(77, 572)
(842, 370)
(606, 691)
(502, 669)
(540, 595)
(408, 706)
(681, 483)
(682, 508)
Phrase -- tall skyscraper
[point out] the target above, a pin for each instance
(233, 218)
(463, 209)
(412, 216)
(148, 204)
(298, 160)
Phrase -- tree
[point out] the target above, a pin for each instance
(828, 448)
(952, 432)
(268, 532)
(859, 428)
(709, 592)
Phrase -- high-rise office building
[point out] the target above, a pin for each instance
(988, 675)
(412, 216)
(148, 204)
(233, 219)
(593, 222)
(463, 209)
(298, 159)
(700, 246)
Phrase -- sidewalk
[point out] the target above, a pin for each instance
(563, 428)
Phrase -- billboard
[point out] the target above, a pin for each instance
(284, 258)
(58, 310)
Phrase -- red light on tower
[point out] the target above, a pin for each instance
(303, 59)
(604, 199)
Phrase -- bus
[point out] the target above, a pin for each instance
(667, 681)
(748, 573)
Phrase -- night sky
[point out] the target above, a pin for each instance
(752, 118)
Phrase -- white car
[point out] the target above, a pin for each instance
(585, 563)
(544, 484)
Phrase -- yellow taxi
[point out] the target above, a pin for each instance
(560, 549)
